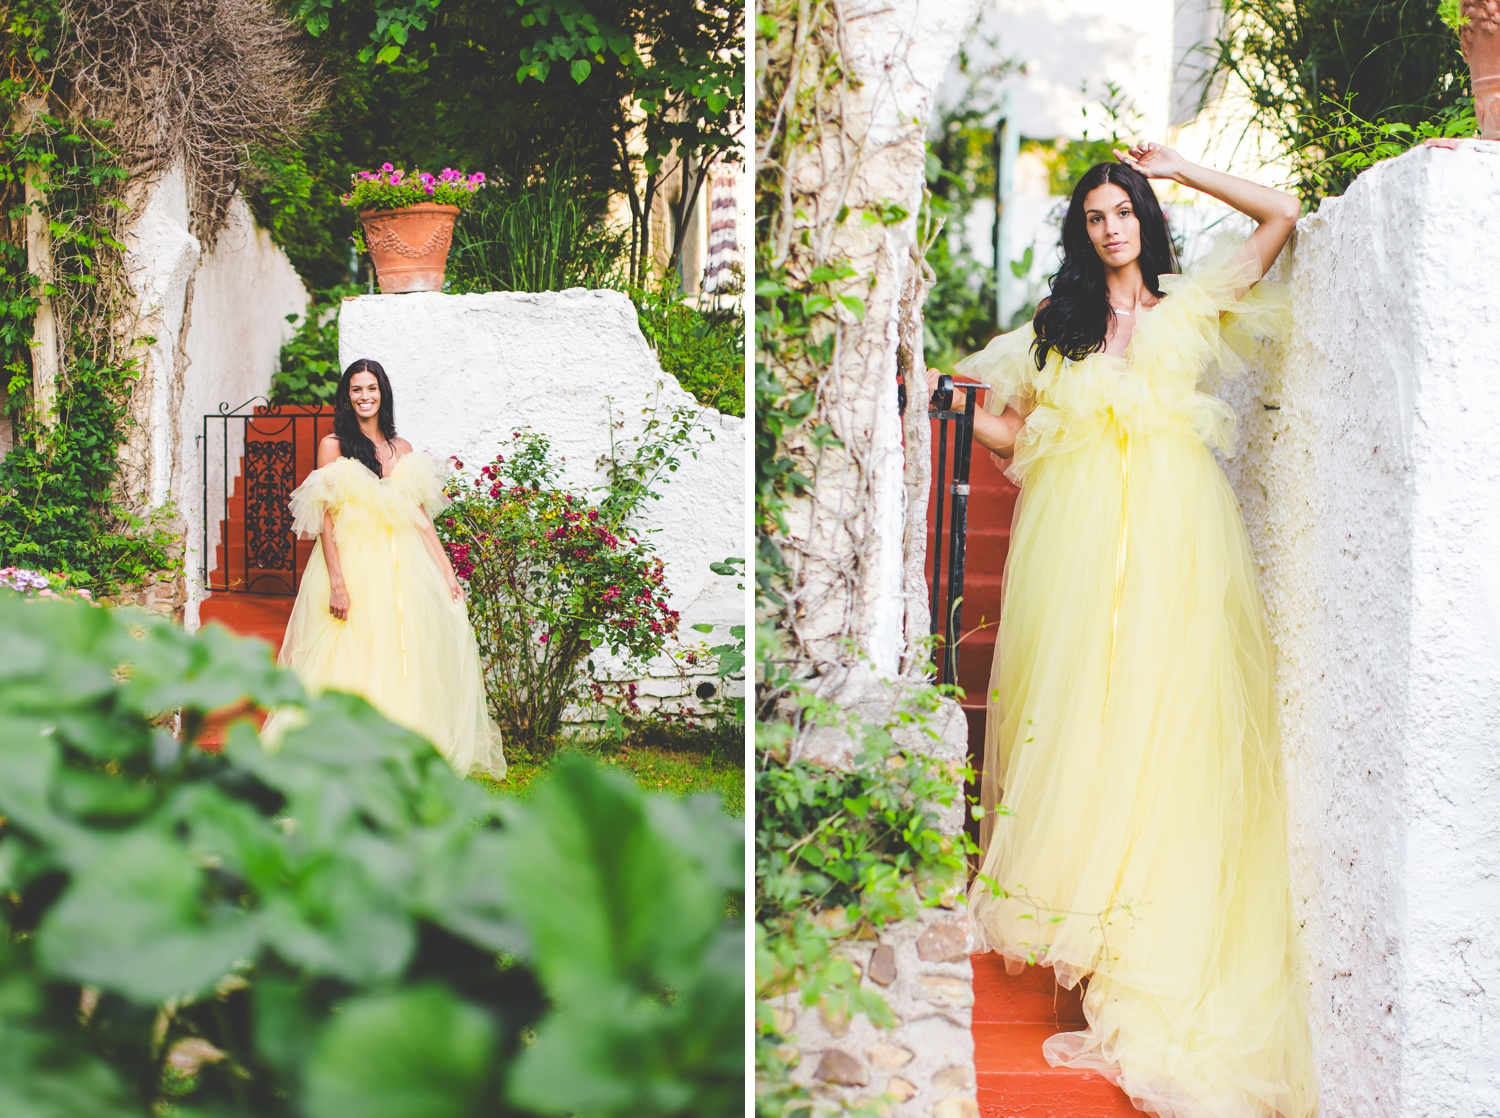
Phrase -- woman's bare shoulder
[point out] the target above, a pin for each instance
(401, 444)
(329, 450)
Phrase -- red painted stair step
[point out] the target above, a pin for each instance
(1013, 1016)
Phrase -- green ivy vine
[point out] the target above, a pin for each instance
(60, 509)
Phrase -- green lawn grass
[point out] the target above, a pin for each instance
(655, 768)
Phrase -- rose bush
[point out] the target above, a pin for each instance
(554, 578)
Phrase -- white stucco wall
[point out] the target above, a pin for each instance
(1370, 481)
(466, 370)
(218, 320)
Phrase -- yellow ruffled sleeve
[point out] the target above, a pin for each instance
(1006, 365)
(326, 490)
(420, 480)
(1248, 311)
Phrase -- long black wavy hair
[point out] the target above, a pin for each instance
(1074, 318)
(354, 443)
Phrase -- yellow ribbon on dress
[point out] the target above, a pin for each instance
(1120, 556)
(390, 535)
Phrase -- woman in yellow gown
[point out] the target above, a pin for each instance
(380, 612)
(1132, 737)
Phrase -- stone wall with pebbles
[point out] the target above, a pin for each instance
(924, 1067)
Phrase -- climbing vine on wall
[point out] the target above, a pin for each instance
(184, 84)
(58, 506)
(838, 853)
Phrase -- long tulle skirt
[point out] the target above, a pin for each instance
(406, 646)
(1132, 740)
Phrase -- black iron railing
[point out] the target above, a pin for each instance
(953, 450)
(253, 457)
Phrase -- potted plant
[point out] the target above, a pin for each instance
(1478, 25)
(407, 221)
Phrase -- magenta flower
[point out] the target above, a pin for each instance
(430, 189)
(386, 167)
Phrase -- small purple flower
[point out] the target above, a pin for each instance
(386, 167)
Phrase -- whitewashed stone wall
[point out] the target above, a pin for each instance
(1370, 481)
(466, 370)
(217, 321)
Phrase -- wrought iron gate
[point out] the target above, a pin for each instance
(253, 457)
(952, 458)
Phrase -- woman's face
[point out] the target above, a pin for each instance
(1112, 224)
(364, 394)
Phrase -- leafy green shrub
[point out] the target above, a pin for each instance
(1355, 144)
(59, 509)
(699, 341)
(1314, 70)
(839, 854)
(340, 928)
(553, 577)
(308, 372)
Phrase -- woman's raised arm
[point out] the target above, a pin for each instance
(1274, 212)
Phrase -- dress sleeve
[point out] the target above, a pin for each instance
(1225, 285)
(321, 492)
(1006, 366)
(421, 479)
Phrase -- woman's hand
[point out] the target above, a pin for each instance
(338, 602)
(455, 590)
(932, 385)
(1153, 160)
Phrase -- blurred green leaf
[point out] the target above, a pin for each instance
(418, 1053)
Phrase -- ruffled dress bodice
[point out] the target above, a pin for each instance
(1204, 326)
(356, 497)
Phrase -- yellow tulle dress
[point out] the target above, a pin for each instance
(406, 645)
(1132, 733)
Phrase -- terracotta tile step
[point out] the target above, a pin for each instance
(1015, 1081)
(250, 615)
(1031, 997)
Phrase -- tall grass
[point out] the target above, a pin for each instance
(547, 235)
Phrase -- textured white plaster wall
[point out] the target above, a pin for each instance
(1370, 481)
(219, 320)
(466, 370)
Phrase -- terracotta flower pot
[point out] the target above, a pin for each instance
(409, 246)
(1480, 40)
